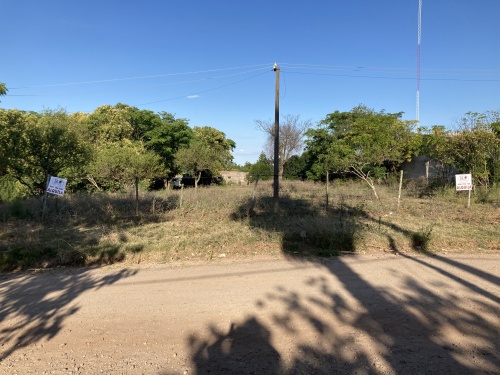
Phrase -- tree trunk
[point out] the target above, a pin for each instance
(365, 178)
(196, 180)
(93, 182)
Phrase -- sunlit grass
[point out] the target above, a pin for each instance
(226, 222)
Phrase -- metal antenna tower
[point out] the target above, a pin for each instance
(419, 39)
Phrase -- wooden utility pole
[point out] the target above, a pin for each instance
(276, 133)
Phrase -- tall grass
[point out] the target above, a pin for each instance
(236, 221)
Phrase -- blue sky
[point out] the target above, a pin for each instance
(211, 61)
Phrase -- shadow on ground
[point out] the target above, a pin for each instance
(73, 231)
(36, 306)
(348, 322)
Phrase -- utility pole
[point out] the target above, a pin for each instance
(276, 133)
(419, 39)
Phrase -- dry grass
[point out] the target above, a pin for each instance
(238, 221)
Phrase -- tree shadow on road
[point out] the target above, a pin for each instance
(244, 349)
(447, 266)
(34, 307)
(341, 321)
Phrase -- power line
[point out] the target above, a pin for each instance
(364, 69)
(204, 91)
(263, 66)
(153, 85)
(395, 78)
(368, 68)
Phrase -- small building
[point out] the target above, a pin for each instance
(425, 167)
(234, 177)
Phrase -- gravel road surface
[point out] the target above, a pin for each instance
(368, 314)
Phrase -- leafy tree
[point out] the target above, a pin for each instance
(478, 120)
(11, 189)
(216, 141)
(141, 121)
(107, 124)
(316, 153)
(476, 146)
(295, 168)
(167, 138)
(124, 163)
(13, 143)
(3, 89)
(38, 145)
(209, 151)
(291, 134)
(436, 143)
(160, 132)
(197, 158)
(360, 142)
(127, 164)
(261, 169)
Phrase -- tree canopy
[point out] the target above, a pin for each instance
(361, 142)
(209, 151)
(3, 89)
(37, 145)
(262, 169)
(109, 147)
(114, 146)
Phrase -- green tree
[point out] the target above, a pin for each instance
(38, 145)
(209, 151)
(107, 124)
(167, 138)
(476, 146)
(160, 132)
(216, 141)
(3, 89)
(295, 168)
(127, 164)
(13, 144)
(435, 143)
(361, 142)
(197, 158)
(261, 169)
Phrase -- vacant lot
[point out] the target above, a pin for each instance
(234, 222)
(225, 280)
(369, 314)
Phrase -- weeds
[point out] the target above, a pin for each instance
(422, 238)
(236, 221)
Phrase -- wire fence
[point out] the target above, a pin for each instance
(391, 190)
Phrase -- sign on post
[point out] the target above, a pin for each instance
(56, 185)
(463, 181)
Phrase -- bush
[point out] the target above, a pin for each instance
(11, 189)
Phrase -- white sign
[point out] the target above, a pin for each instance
(56, 185)
(463, 181)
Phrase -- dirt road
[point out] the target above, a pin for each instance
(377, 314)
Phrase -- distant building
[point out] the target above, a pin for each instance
(234, 177)
(424, 167)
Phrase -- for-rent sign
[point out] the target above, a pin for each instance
(463, 181)
(56, 185)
